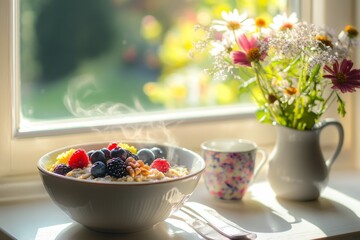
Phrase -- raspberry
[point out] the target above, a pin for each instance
(112, 145)
(62, 169)
(161, 164)
(116, 167)
(79, 159)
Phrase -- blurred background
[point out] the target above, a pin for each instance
(133, 54)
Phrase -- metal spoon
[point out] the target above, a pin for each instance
(200, 226)
(217, 221)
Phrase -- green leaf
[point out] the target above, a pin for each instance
(341, 108)
(314, 72)
(309, 119)
(263, 116)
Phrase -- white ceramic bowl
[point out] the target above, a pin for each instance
(122, 206)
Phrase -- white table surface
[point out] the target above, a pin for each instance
(336, 212)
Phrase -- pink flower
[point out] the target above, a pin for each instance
(251, 51)
(343, 77)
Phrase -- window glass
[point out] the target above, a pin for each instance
(90, 58)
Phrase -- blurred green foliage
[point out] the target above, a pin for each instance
(78, 54)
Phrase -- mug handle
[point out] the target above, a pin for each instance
(327, 122)
(263, 160)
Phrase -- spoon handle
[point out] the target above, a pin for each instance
(201, 227)
(218, 222)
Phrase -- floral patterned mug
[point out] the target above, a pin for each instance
(230, 166)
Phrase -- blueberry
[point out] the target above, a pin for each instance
(97, 156)
(106, 152)
(133, 155)
(146, 155)
(158, 152)
(90, 152)
(98, 169)
(119, 153)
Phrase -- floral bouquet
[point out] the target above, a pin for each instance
(293, 70)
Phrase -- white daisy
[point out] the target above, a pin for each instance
(234, 22)
(282, 22)
(221, 47)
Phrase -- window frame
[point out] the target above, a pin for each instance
(82, 125)
(356, 107)
(16, 145)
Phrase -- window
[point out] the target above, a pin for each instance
(21, 148)
(94, 59)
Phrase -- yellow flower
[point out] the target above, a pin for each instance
(351, 31)
(260, 22)
(324, 40)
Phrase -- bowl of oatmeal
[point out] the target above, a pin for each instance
(120, 187)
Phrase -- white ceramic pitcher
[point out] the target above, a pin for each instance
(297, 168)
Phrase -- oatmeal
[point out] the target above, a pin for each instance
(117, 163)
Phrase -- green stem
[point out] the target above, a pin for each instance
(327, 100)
(236, 41)
(258, 81)
(302, 76)
(261, 74)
